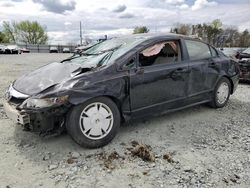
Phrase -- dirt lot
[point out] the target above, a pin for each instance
(195, 147)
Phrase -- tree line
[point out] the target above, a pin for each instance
(213, 33)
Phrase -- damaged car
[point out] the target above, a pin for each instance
(244, 64)
(91, 93)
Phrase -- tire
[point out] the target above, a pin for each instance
(221, 93)
(82, 118)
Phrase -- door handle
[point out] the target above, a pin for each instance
(178, 73)
(213, 64)
(182, 70)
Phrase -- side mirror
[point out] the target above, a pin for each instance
(129, 64)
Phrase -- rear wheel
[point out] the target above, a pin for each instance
(94, 123)
(221, 93)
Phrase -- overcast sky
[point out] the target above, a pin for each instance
(116, 17)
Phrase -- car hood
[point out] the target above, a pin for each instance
(47, 76)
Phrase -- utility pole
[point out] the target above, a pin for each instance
(80, 33)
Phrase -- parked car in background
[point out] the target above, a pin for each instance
(2, 49)
(244, 54)
(53, 50)
(25, 50)
(230, 52)
(244, 63)
(12, 49)
(119, 79)
(66, 50)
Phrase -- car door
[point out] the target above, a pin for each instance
(199, 63)
(213, 70)
(158, 84)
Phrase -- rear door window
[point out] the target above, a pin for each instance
(198, 50)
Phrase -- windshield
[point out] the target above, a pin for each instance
(105, 52)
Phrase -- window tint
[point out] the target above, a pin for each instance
(213, 52)
(160, 53)
(197, 50)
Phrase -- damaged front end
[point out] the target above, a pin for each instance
(244, 66)
(44, 116)
(41, 99)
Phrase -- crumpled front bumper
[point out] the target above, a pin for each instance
(17, 116)
(40, 120)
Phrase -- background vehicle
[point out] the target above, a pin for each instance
(244, 64)
(232, 52)
(53, 50)
(119, 79)
(244, 54)
(2, 49)
(66, 50)
(25, 50)
(12, 49)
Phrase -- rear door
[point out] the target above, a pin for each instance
(214, 68)
(201, 66)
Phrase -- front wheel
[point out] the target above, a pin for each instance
(221, 93)
(94, 123)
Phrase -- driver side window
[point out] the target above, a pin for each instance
(165, 52)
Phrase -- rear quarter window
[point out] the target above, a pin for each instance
(197, 50)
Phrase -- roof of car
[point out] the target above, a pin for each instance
(155, 35)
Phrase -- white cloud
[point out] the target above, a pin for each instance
(67, 23)
(174, 2)
(199, 4)
(183, 7)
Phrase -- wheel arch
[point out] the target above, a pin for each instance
(231, 83)
(117, 102)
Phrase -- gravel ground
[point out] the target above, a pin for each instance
(195, 147)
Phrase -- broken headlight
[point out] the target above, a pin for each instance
(45, 102)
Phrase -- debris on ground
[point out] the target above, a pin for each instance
(108, 159)
(168, 157)
(47, 156)
(53, 167)
(71, 160)
(142, 151)
(145, 173)
(75, 155)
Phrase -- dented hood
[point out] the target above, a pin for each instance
(47, 76)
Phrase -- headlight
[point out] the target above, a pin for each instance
(45, 102)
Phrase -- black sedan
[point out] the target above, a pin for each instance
(113, 81)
